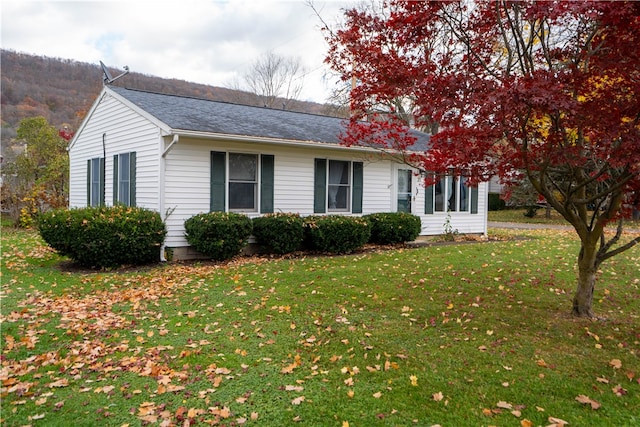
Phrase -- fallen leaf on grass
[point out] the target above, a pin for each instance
(619, 390)
(504, 405)
(414, 380)
(377, 395)
(557, 422)
(616, 363)
(63, 382)
(587, 400)
(438, 396)
(297, 400)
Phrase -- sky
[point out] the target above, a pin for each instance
(210, 42)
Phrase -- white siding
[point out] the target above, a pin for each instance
(124, 131)
(461, 222)
(187, 175)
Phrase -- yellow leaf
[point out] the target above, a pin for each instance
(350, 393)
(414, 380)
(345, 424)
(526, 423)
(377, 395)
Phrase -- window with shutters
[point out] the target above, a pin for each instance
(338, 186)
(241, 182)
(124, 179)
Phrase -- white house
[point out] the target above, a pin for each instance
(182, 156)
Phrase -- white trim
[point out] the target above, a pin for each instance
(267, 140)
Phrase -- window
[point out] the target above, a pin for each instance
(95, 182)
(124, 179)
(404, 190)
(248, 185)
(243, 182)
(451, 193)
(338, 186)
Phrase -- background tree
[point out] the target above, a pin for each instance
(520, 89)
(38, 178)
(276, 81)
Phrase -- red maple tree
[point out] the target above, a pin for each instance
(544, 90)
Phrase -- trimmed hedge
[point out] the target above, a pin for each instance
(496, 203)
(104, 237)
(279, 233)
(336, 233)
(218, 235)
(393, 227)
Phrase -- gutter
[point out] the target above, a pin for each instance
(174, 141)
(265, 140)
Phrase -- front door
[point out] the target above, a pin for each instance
(404, 190)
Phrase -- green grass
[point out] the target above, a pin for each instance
(463, 334)
(517, 215)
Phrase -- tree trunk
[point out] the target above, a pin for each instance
(587, 267)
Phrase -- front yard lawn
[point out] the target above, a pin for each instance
(461, 334)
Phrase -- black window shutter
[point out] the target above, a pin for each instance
(266, 183)
(218, 184)
(102, 181)
(356, 202)
(320, 186)
(132, 178)
(88, 182)
(428, 199)
(474, 199)
(115, 179)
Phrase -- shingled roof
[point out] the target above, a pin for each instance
(182, 113)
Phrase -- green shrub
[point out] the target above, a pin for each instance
(496, 203)
(104, 237)
(218, 235)
(279, 233)
(393, 227)
(336, 233)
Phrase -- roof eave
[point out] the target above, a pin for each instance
(266, 140)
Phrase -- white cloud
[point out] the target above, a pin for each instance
(208, 42)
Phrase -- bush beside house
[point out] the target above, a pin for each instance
(104, 237)
(279, 233)
(336, 233)
(393, 227)
(218, 235)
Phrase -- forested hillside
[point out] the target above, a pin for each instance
(63, 90)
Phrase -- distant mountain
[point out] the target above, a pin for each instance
(63, 90)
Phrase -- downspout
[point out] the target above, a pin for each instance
(174, 141)
(163, 160)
